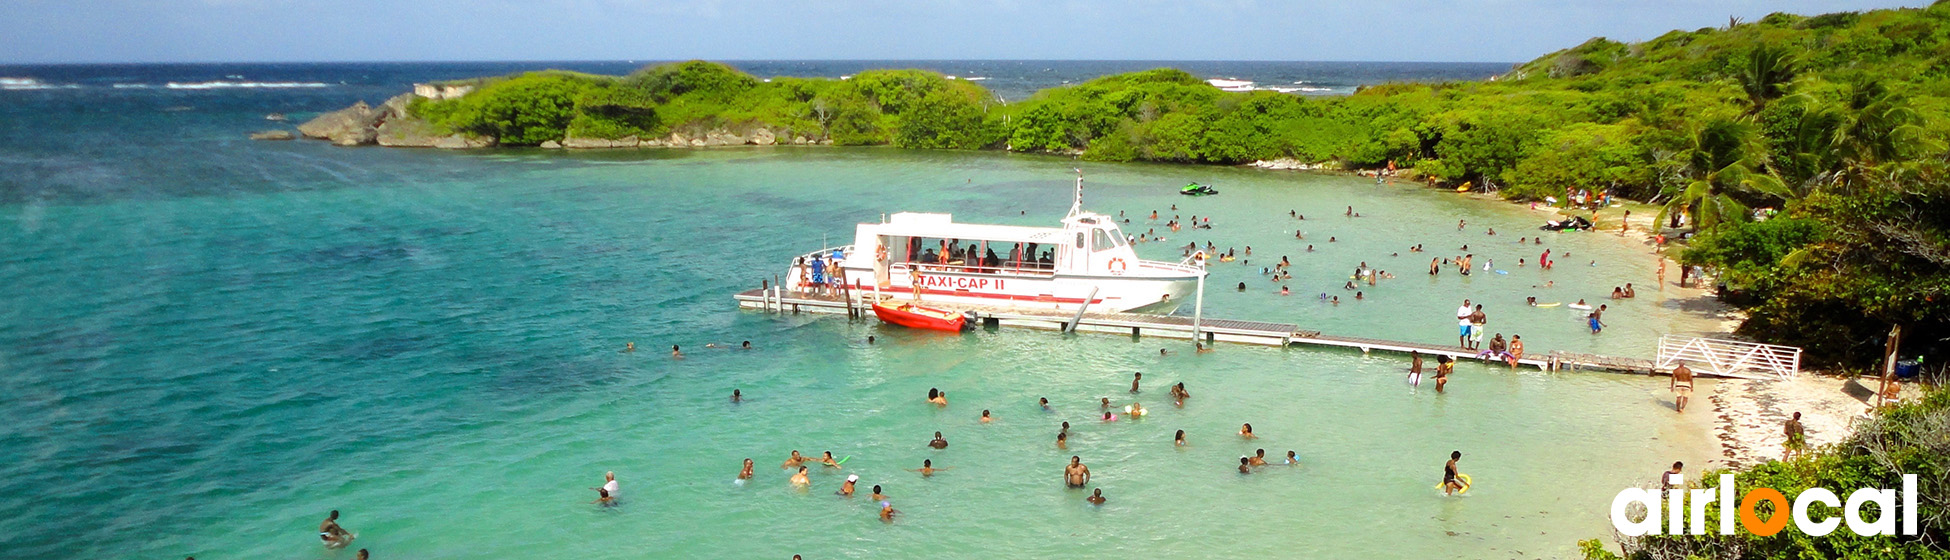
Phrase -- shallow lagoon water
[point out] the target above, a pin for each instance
(429, 342)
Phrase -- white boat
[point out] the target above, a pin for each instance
(929, 257)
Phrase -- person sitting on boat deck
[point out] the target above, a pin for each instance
(930, 256)
(1048, 260)
(990, 260)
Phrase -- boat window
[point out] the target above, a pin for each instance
(1079, 240)
(1103, 241)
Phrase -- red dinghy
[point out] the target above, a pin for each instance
(918, 317)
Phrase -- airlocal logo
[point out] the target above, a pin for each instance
(1679, 499)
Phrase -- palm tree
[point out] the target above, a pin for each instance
(1880, 130)
(1723, 163)
(1766, 75)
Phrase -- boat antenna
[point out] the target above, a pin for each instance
(1076, 205)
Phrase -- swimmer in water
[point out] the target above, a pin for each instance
(846, 488)
(746, 473)
(1200, 347)
(1245, 466)
(331, 533)
(629, 347)
(736, 396)
(1076, 475)
(795, 460)
(604, 499)
(1292, 458)
(876, 493)
(746, 345)
(1063, 440)
(939, 442)
(675, 353)
(828, 460)
(938, 397)
(1105, 403)
(1178, 392)
(1258, 459)
(1450, 484)
(887, 512)
(1096, 497)
(1139, 376)
(1246, 431)
(869, 339)
(1108, 417)
(1135, 410)
(985, 417)
(1045, 402)
(800, 479)
(1178, 440)
(1285, 292)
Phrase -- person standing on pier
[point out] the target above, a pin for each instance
(1476, 322)
(1462, 325)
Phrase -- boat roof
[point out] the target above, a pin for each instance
(943, 226)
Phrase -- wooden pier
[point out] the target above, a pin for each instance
(1212, 330)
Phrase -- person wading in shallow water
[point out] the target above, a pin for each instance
(1076, 475)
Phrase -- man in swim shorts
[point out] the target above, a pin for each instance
(1682, 385)
(1462, 325)
(1076, 475)
(1597, 319)
(1476, 321)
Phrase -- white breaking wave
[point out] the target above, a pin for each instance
(30, 83)
(1230, 84)
(219, 85)
(976, 78)
(133, 86)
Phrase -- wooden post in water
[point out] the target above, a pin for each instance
(1198, 306)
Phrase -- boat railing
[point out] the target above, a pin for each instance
(798, 278)
(1009, 268)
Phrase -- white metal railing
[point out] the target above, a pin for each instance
(1728, 357)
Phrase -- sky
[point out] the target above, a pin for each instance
(90, 31)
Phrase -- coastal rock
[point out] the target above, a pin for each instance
(462, 142)
(273, 135)
(405, 132)
(677, 140)
(764, 137)
(1289, 164)
(551, 145)
(799, 140)
(575, 143)
(350, 126)
(652, 143)
(722, 138)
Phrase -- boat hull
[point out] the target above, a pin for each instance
(919, 317)
(1105, 294)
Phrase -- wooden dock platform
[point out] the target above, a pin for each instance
(1177, 327)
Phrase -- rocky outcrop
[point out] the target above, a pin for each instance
(575, 143)
(273, 135)
(389, 124)
(462, 142)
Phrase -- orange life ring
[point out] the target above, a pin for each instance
(1117, 266)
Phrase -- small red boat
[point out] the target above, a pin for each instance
(917, 317)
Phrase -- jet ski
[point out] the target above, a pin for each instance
(1196, 189)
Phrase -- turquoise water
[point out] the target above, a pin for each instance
(429, 342)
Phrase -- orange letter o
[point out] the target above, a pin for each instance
(1752, 521)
